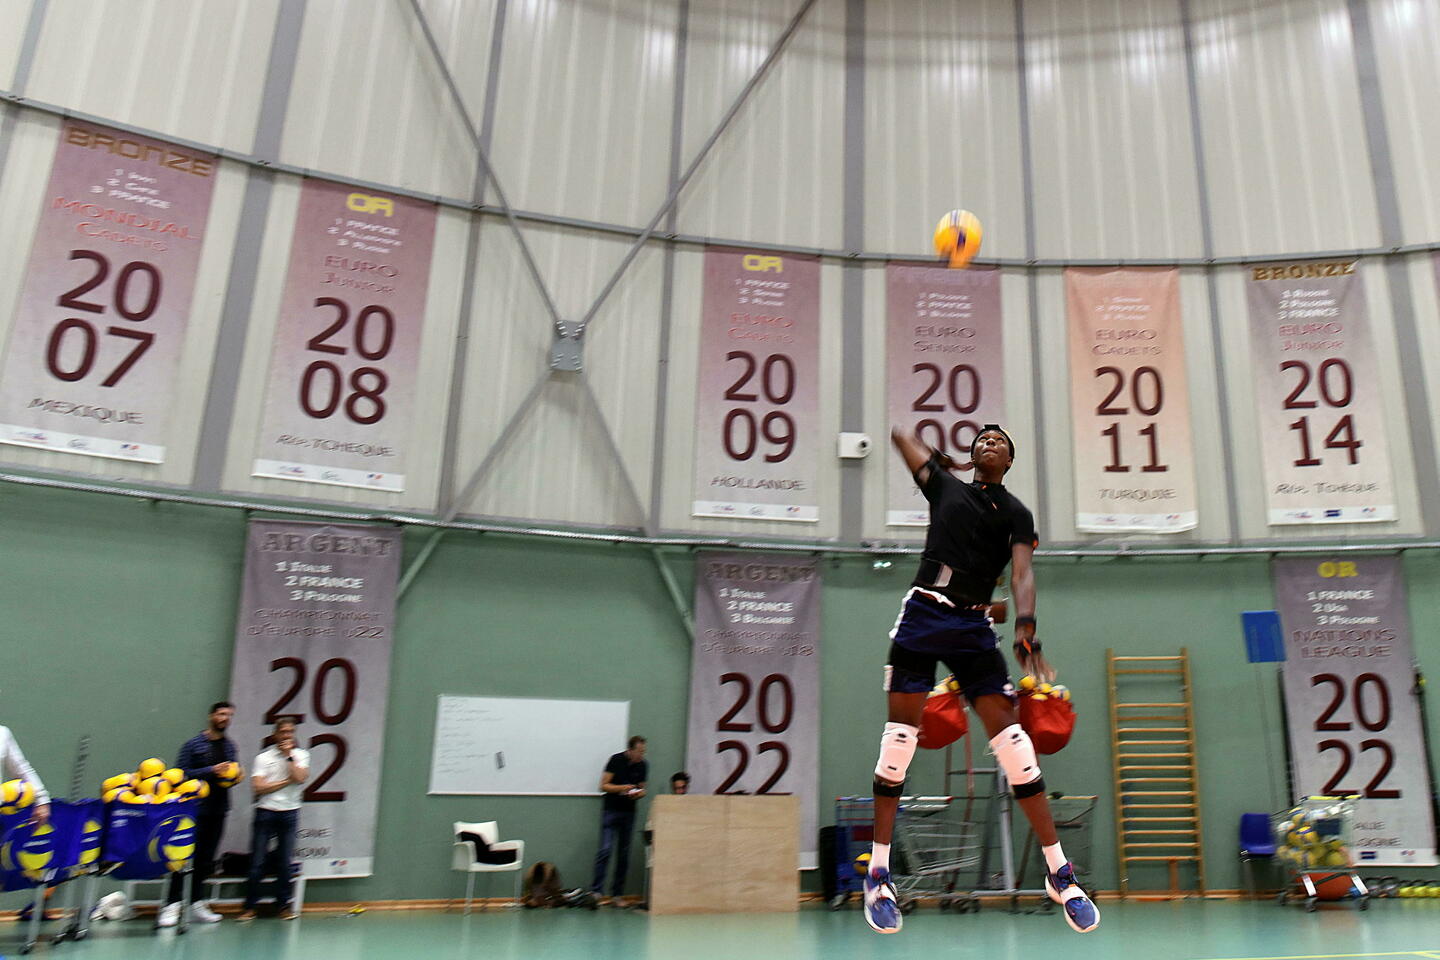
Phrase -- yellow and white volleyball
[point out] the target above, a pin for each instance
(174, 776)
(173, 841)
(957, 237)
(15, 796)
(862, 864)
(1062, 691)
(119, 781)
(1039, 696)
(1027, 683)
(151, 768)
(1045, 688)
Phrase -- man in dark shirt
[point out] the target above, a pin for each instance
(199, 756)
(623, 784)
(976, 529)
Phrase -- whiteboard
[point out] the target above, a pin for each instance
(525, 745)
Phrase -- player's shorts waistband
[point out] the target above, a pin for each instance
(945, 601)
(935, 577)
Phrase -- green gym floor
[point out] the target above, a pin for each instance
(1393, 929)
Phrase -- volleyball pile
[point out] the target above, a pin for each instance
(1302, 843)
(1417, 888)
(1043, 691)
(152, 782)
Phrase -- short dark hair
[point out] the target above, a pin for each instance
(287, 718)
(221, 705)
(634, 742)
(680, 776)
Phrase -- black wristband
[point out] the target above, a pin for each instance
(1025, 621)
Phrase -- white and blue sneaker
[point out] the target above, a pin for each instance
(882, 911)
(1080, 911)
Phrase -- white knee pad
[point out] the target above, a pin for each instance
(897, 748)
(1016, 754)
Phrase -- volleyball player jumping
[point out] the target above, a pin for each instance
(976, 529)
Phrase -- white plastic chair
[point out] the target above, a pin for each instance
(463, 855)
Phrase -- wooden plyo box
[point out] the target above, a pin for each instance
(725, 854)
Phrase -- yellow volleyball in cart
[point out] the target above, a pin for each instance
(15, 796)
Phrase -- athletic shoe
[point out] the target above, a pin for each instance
(1080, 911)
(200, 912)
(169, 915)
(881, 910)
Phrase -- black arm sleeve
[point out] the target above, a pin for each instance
(1022, 529)
(936, 477)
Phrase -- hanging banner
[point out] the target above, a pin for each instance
(1130, 401)
(945, 367)
(93, 354)
(341, 393)
(313, 640)
(755, 681)
(1317, 388)
(757, 409)
(1350, 701)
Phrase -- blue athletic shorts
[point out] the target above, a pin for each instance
(932, 630)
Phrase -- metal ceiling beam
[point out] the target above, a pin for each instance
(613, 447)
(449, 511)
(340, 513)
(530, 265)
(750, 85)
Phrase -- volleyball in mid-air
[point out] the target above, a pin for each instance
(957, 237)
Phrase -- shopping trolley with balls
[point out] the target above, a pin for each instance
(36, 856)
(1314, 839)
(151, 842)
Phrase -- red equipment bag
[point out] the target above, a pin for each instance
(1050, 722)
(943, 721)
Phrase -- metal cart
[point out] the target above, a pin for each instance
(1315, 849)
(934, 849)
(937, 847)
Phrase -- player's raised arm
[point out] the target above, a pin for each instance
(917, 453)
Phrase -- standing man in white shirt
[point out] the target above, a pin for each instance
(277, 780)
(16, 767)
